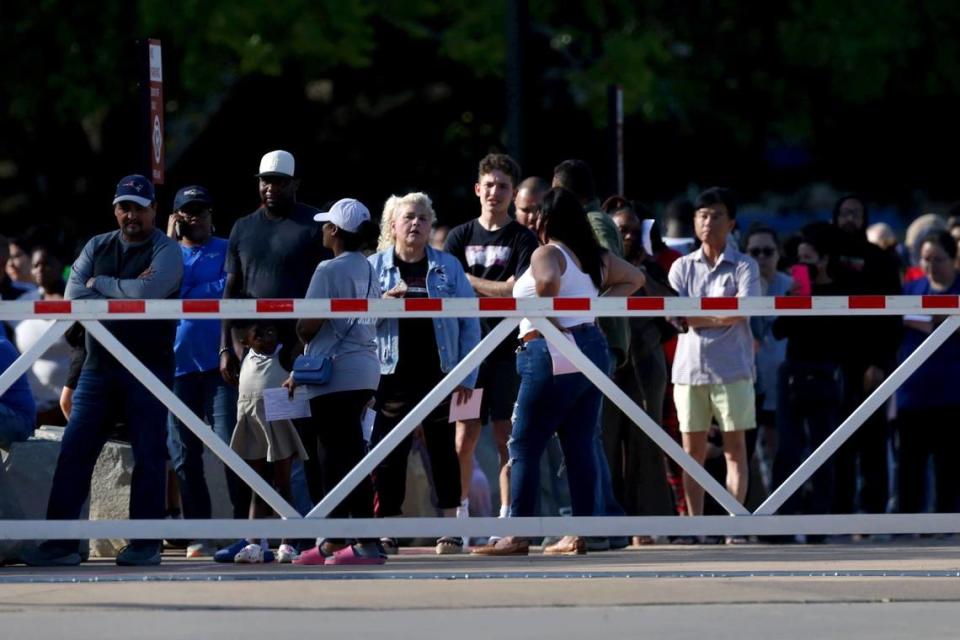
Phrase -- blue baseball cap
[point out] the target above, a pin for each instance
(135, 188)
(193, 193)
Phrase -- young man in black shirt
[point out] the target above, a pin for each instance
(494, 250)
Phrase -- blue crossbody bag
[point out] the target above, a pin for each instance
(317, 370)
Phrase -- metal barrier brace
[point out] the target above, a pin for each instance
(91, 312)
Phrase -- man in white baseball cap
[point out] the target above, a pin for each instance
(277, 164)
(272, 253)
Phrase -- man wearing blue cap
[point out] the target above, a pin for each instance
(197, 380)
(138, 261)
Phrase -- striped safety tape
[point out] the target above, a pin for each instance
(865, 305)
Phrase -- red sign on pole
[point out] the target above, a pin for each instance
(156, 111)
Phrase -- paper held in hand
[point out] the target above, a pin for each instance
(278, 405)
(469, 410)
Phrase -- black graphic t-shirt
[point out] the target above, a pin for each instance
(493, 255)
(417, 340)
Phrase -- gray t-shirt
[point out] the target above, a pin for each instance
(167, 265)
(351, 342)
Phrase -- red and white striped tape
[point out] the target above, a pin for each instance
(479, 307)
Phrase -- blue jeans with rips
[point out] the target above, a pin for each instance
(101, 396)
(215, 402)
(567, 405)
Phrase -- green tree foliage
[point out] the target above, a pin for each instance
(674, 60)
(791, 72)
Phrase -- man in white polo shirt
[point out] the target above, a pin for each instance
(713, 371)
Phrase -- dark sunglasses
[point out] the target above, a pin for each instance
(195, 212)
(766, 252)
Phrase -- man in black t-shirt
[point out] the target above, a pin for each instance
(494, 250)
(273, 253)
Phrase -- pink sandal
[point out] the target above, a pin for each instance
(349, 555)
(311, 557)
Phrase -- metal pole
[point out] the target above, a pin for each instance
(195, 424)
(641, 419)
(406, 426)
(859, 416)
(26, 359)
(615, 137)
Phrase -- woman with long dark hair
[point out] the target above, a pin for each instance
(569, 263)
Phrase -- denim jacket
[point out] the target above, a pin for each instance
(455, 336)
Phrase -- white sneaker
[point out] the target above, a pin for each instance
(250, 554)
(198, 550)
(286, 554)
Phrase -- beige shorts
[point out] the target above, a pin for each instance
(733, 406)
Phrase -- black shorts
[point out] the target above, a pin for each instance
(499, 381)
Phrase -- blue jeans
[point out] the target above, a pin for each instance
(568, 405)
(101, 396)
(13, 428)
(214, 401)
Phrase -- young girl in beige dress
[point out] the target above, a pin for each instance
(269, 446)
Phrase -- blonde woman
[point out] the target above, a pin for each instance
(416, 353)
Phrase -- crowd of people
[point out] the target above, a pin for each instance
(749, 398)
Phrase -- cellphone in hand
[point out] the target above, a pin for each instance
(802, 282)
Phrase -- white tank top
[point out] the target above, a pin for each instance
(574, 283)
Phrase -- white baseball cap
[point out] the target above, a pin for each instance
(348, 214)
(276, 163)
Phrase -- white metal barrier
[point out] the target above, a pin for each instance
(762, 521)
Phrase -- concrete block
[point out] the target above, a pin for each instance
(28, 474)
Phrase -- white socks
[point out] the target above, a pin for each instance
(504, 510)
(463, 511)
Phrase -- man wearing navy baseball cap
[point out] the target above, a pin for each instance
(138, 261)
(197, 380)
(192, 208)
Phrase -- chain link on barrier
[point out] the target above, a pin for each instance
(314, 524)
